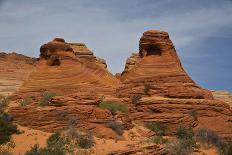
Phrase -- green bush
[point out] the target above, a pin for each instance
(46, 98)
(4, 102)
(35, 150)
(158, 128)
(185, 142)
(115, 126)
(85, 140)
(147, 88)
(209, 138)
(25, 102)
(185, 133)
(57, 145)
(135, 99)
(158, 140)
(113, 107)
(7, 128)
(179, 147)
(5, 149)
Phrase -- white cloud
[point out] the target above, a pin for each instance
(25, 26)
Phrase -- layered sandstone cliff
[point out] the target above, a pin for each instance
(66, 68)
(14, 70)
(159, 66)
(80, 79)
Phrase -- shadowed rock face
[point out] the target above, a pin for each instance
(159, 66)
(54, 47)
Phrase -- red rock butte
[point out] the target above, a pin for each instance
(80, 79)
(157, 64)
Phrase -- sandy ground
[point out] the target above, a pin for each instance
(28, 138)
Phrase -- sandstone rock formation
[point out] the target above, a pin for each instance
(66, 68)
(160, 67)
(14, 70)
(223, 96)
(80, 79)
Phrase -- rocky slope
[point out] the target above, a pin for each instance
(168, 94)
(14, 70)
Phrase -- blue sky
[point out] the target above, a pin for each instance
(200, 29)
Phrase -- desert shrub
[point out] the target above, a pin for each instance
(158, 128)
(184, 132)
(194, 114)
(73, 121)
(209, 138)
(185, 142)
(72, 131)
(179, 147)
(5, 149)
(35, 150)
(147, 88)
(4, 102)
(85, 140)
(46, 98)
(224, 147)
(25, 102)
(115, 126)
(158, 140)
(7, 128)
(135, 99)
(113, 107)
(58, 145)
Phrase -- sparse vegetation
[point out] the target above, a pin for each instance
(85, 140)
(35, 150)
(115, 126)
(179, 147)
(159, 130)
(25, 102)
(185, 142)
(135, 99)
(46, 98)
(113, 107)
(6, 148)
(56, 145)
(209, 138)
(147, 88)
(7, 127)
(184, 133)
(194, 114)
(158, 140)
(156, 127)
(4, 102)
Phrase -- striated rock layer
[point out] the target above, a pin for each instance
(66, 68)
(14, 70)
(80, 80)
(159, 66)
(224, 96)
